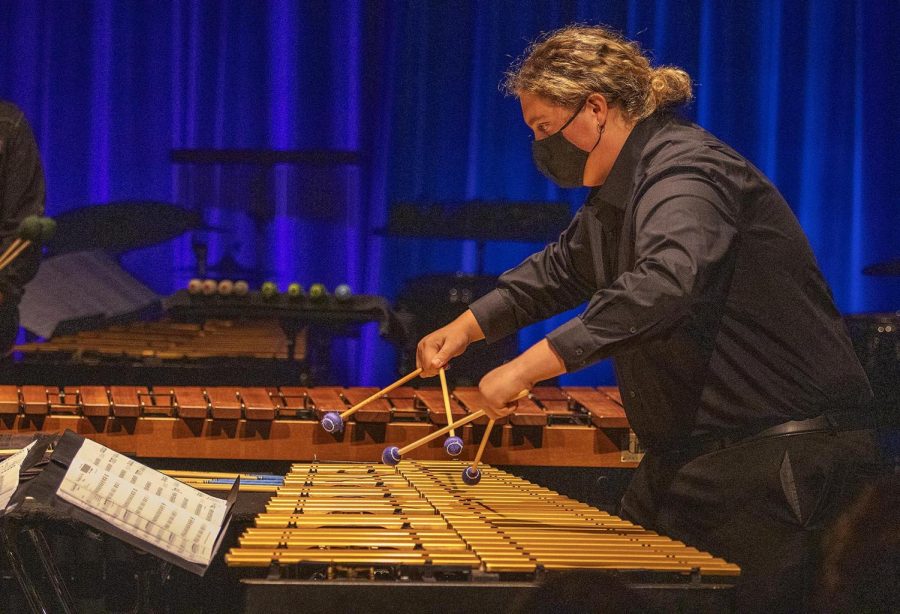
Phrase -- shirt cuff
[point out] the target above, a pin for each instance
(494, 315)
(573, 343)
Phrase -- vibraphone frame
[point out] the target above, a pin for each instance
(575, 426)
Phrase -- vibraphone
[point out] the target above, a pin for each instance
(418, 523)
(575, 426)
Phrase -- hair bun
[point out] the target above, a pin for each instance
(670, 86)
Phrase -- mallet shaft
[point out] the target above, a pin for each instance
(8, 261)
(453, 425)
(481, 446)
(9, 250)
(446, 392)
(349, 412)
(443, 431)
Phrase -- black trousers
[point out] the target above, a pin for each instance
(764, 505)
(9, 327)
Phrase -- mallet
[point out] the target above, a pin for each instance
(333, 422)
(471, 475)
(453, 445)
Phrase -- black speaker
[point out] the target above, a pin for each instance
(429, 302)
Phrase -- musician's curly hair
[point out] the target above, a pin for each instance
(567, 65)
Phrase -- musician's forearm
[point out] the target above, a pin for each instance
(538, 363)
(468, 322)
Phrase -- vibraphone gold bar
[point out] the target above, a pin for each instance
(554, 427)
(419, 521)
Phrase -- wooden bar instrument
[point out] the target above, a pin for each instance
(573, 427)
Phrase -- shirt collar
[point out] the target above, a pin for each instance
(616, 190)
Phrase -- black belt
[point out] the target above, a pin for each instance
(829, 422)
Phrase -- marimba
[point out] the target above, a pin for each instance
(173, 341)
(251, 340)
(574, 426)
(418, 522)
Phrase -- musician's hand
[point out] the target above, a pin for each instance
(436, 349)
(500, 387)
(503, 384)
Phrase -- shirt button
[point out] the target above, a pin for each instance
(579, 351)
(631, 393)
(632, 329)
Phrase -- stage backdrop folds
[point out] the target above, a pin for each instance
(807, 90)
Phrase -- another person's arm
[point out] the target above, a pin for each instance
(21, 194)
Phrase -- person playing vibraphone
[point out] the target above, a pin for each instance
(732, 360)
(21, 196)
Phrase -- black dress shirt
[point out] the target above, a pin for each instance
(700, 284)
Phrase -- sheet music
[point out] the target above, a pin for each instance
(152, 506)
(9, 474)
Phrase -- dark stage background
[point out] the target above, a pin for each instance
(807, 90)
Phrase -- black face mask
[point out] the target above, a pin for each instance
(559, 160)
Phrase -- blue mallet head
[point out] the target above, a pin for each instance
(391, 456)
(332, 422)
(471, 475)
(453, 446)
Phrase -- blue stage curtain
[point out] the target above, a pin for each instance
(806, 90)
